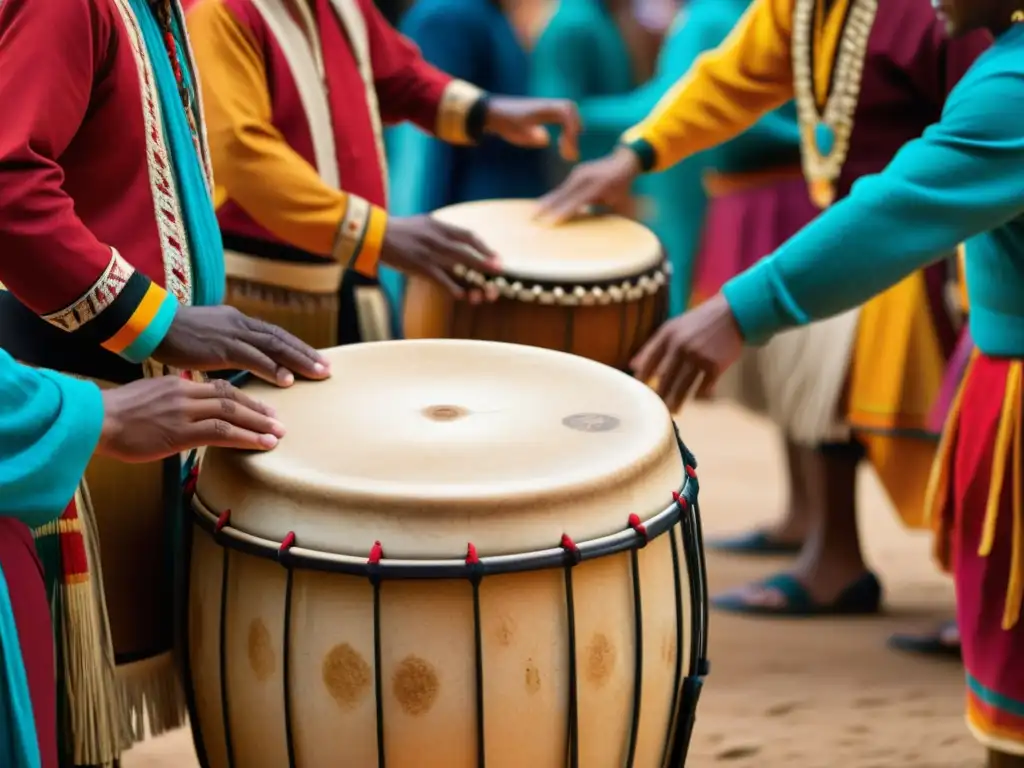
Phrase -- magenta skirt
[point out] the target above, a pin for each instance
(749, 216)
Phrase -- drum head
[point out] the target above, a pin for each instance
(587, 250)
(427, 445)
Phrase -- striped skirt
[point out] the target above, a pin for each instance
(976, 500)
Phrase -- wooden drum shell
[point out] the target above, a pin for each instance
(572, 631)
(607, 333)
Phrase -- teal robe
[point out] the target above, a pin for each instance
(960, 182)
(49, 427)
(676, 203)
(580, 54)
(474, 41)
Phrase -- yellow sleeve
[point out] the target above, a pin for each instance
(725, 92)
(254, 166)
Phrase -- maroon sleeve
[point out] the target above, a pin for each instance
(961, 53)
(918, 45)
(408, 88)
(50, 52)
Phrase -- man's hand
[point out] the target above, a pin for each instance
(151, 419)
(524, 122)
(698, 346)
(600, 182)
(425, 246)
(216, 338)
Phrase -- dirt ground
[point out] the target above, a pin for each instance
(792, 693)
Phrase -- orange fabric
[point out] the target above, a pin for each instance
(253, 164)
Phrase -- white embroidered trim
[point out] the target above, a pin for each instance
(456, 102)
(100, 295)
(822, 172)
(351, 16)
(351, 230)
(167, 209)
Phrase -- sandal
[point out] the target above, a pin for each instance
(862, 597)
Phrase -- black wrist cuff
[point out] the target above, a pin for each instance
(476, 119)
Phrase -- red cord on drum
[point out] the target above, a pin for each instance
(376, 554)
(223, 520)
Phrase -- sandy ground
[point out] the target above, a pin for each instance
(790, 693)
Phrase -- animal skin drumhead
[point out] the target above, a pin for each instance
(425, 445)
(591, 248)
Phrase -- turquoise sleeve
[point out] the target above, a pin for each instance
(559, 62)
(961, 178)
(49, 428)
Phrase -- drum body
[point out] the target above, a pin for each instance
(489, 575)
(594, 287)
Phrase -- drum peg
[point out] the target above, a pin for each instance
(615, 293)
(460, 270)
(659, 279)
(501, 283)
(583, 296)
(559, 294)
(533, 294)
(546, 297)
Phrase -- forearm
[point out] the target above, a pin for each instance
(428, 85)
(725, 91)
(50, 425)
(284, 194)
(49, 259)
(958, 180)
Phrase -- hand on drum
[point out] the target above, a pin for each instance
(601, 182)
(216, 338)
(695, 347)
(434, 249)
(523, 122)
(151, 419)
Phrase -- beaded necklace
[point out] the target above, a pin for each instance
(164, 15)
(825, 133)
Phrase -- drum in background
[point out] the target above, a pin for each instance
(463, 554)
(595, 287)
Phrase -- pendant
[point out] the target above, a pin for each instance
(824, 138)
(823, 192)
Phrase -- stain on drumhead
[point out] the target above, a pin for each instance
(445, 412)
(346, 675)
(532, 677)
(600, 659)
(261, 651)
(415, 685)
(591, 422)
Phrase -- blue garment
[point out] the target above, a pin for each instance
(961, 181)
(580, 54)
(473, 41)
(678, 202)
(49, 426)
(194, 195)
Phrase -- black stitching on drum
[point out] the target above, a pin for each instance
(222, 651)
(677, 675)
(476, 576)
(373, 564)
(572, 559)
(570, 329)
(638, 636)
(286, 545)
(184, 594)
(683, 513)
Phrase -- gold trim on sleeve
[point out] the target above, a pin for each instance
(456, 102)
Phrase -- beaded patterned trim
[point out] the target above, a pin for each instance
(100, 295)
(630, 289)
(167, 209)
(822, 169)
(456, 103)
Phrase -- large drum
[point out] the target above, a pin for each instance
(596, 287)
(463, 554)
